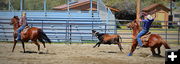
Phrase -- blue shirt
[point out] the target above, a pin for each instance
(147, 23)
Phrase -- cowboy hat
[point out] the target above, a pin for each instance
(149, 17)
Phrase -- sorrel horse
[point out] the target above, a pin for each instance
(32, 34)
(154, 41)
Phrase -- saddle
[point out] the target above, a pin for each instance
(145, 38)
(25, 30)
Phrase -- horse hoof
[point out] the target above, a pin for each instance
(47, 51)
(24, 51)
(130, 54)
(156, 55)
(38, 52)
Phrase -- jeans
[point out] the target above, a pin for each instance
(143, 32)
(19, 31)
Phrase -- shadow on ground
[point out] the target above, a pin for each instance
(31, 52)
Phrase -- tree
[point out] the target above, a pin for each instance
(4, 5)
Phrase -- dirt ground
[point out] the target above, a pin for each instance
(78, 54)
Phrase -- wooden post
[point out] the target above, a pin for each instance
(21, 5)
(138, 4)
(9, 3)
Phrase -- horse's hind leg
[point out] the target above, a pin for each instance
(153, 51)
(43, 44)
(23, 46)
(99, 44)
(96, 44)
(159, 51)
(38, 45)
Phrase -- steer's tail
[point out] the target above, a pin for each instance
(119, 43)
(120, 39)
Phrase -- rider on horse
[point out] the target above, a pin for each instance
(23, 24)
(148, 19)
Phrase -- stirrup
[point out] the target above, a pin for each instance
(17, 39)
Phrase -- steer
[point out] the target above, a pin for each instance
(107, 39)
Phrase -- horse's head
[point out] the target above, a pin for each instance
(94, 32)
(132, 24)
(14, 20)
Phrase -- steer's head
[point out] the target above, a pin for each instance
(94, 32)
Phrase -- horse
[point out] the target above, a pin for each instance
(154, 41)
(107, 39)
(27, 34)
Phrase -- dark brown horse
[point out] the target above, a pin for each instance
(154, 41)
(32, 34)
(107, 39)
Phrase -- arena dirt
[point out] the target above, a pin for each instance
(78, 54)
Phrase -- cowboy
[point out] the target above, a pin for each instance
(23, 24)
(148, 19)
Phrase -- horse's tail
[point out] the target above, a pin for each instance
(165, 44)
(44, 36)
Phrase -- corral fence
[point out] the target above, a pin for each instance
(79, 30)
(58, 27)
(75, 26)
(66, 26)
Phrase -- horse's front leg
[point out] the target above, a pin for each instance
(37, 44)
(14, 45)
(23, 46)
(153, 51)
(133, 47)
(96, 44)
(15, 36)
(99, 44)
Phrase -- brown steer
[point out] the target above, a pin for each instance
(107, 39)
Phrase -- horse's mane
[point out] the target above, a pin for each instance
(138, 25)
(16, 17)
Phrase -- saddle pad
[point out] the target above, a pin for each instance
(25, 29)
(145, 38)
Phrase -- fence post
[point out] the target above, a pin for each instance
(105, 28)
(92, 29)
(9, 7)
(44, 5)
(97, 7)
(21, 5)
(70, 34)
(66, 32)
(91, 5)
(115, 27)
(166, 26)
(42, 25)
(179, 35)
(68, 24)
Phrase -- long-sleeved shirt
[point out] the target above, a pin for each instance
(147, 23)
(23, 20)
